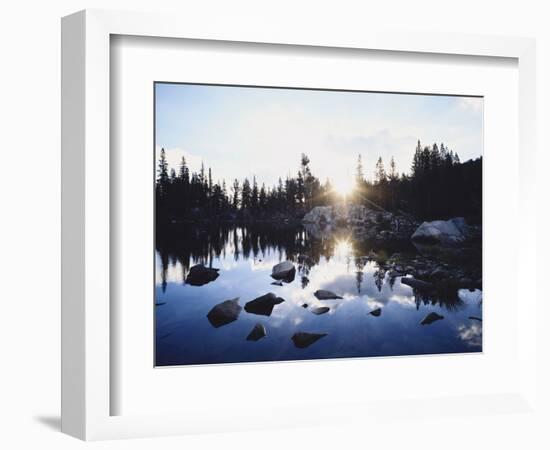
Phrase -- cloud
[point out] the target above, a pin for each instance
(472, 334)
(242, 132)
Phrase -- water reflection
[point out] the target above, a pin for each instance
(358, 271)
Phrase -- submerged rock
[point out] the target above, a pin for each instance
(479, 319)
(224, 312)
(416, 284)
(284, 271)
(263, 305)
(326, 295)
(376, 312)
(199, 275)
(303, 340)
(318, 310)
(257, 333)
(431, 318)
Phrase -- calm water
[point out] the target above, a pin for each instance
(333, 261)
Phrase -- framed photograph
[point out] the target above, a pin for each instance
(277, 215)
(313, 246)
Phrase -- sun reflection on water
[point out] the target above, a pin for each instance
(343, 248)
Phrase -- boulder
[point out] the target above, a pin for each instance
(452, 232)
(431, 318)
(224, 312)
(277, 283)
(257, 333)
(318, 310)
(321, 294)
(319, 215)
(263, 305)
(199, 275)
(376, 312)
(339, 215)
(284, 271)
(303, 340)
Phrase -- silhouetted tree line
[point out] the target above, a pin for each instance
(438, 186)
(184, 195)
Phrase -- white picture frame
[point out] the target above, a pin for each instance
(86, 243)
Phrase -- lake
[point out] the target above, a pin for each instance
(336, 261)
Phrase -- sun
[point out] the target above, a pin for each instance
(344, 186)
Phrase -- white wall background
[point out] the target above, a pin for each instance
(29, 229)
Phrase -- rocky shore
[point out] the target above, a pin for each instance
(364, 222)
(448, 253)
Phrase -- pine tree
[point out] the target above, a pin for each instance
(300, 190)
(417, 159)
(380, 172)
(307, 181)
(254, 194)
(246, 193)
(263, 197)
(393, 175)
(280, 195)
(183, 174)
(202, 178)
(291, 190)
(225, 198)
(235, 188)
(163, 178)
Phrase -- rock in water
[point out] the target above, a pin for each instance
(257, 333)
(326, 295)
(416, 284)
(284, 271)
(224, 312)
(277, 283)
(304, 305)
(263, 305)
(199, 275)
(376, 312)
(431, 318)
(320, 310)
(303, 340)
(443, 232)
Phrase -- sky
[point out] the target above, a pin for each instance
(247, 131)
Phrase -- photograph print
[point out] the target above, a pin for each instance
(305, 224)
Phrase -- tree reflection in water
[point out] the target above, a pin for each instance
(185, 245)
(364, 276)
